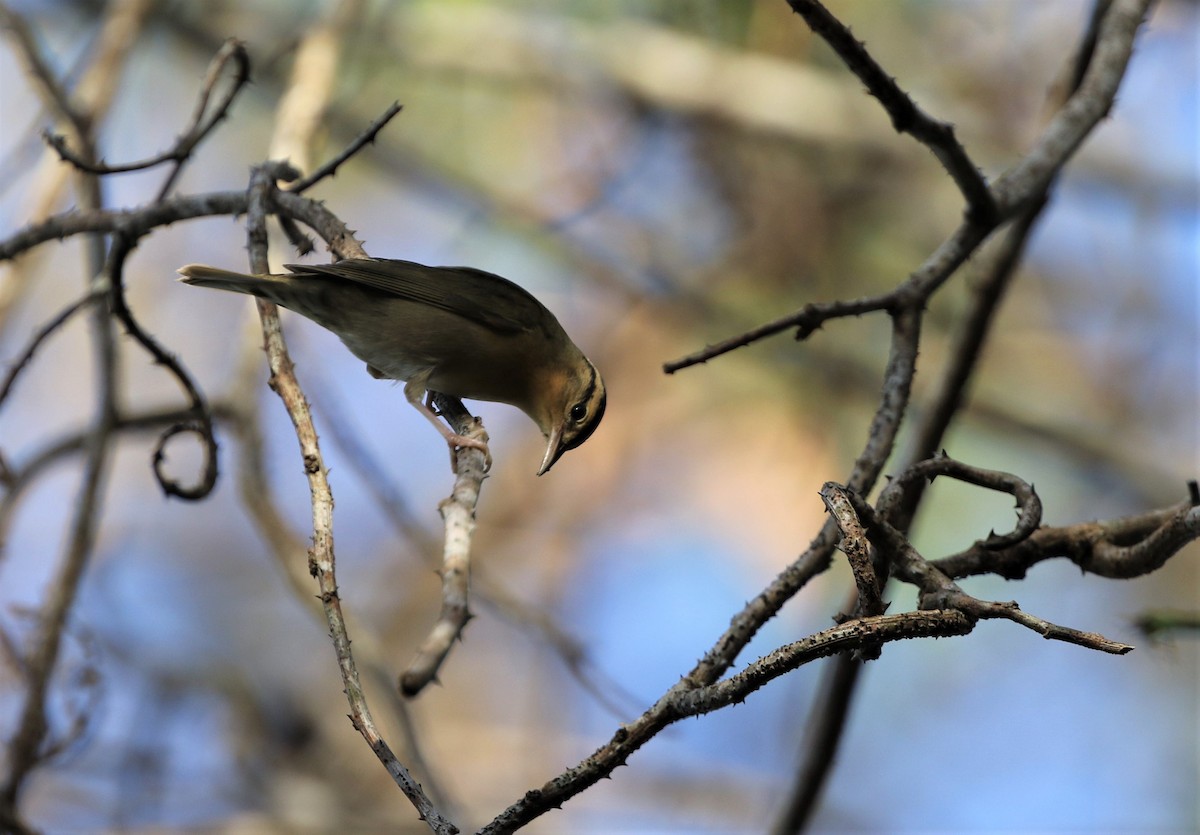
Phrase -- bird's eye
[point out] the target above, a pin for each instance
(578, 412)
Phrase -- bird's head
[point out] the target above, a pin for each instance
(573, 400)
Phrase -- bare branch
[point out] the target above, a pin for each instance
(1025, 184)
(1119, 548)
(838, 685)
(806, 321)
(367, 137)
(458, 513)
(1029, 505)
(38, 69)
(1082, 112)
(939, 591)
(687, 698)
(25, 747)
(288, 550)
(200, 127)
(1050, 631)
(906, 116)
(321, 556)
(855, 546)
(43, 333)
(143, 218)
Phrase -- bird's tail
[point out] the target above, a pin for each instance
(203, 275)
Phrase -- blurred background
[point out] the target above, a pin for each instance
(662, 175)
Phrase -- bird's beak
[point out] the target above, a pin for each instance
(554, 450)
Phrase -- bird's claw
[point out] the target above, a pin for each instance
(456, 441)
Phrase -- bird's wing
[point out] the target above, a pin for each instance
(482, 297)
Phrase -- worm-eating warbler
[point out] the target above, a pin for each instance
(455, 330)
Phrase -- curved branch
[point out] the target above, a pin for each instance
(1029, 506)
(1117, 548)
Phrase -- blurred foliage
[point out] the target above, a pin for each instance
(663, 174)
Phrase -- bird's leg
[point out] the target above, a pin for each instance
(413, 390)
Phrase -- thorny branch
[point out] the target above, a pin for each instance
(993, 276)
(321, 555)
(854, 544)
(364, 139)
(1024, 185)
(906, 116)
(126, 227)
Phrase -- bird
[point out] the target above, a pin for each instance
(458, 331)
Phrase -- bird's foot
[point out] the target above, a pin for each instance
(456, 442)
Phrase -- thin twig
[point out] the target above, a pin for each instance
(200, 420)
(43, 333)
(367, 137)
(38, 69)
(688, 698)
(18, 478)
(199, 128)
(983, 609)
(25, 746)
(906, 116)
(806, 321)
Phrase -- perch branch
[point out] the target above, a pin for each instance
(458, 514)
(321, 555)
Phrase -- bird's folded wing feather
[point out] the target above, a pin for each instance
(488, 299)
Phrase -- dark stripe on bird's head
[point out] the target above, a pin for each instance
(597, 414)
